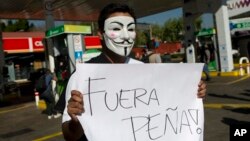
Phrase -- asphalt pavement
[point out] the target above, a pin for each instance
(227, 102)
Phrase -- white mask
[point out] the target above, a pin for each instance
(119, 34)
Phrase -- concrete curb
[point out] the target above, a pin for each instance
(235, 73)
(226, 106)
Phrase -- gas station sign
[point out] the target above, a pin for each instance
(240, 24)
(23, 45)
(205, 32)
(81, 29)
(55, 31)
(237, 7)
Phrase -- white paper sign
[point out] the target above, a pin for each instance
(141, 102)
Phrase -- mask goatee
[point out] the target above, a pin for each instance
(125, 51)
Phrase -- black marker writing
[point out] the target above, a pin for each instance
(89, 92)
(173, 123)
(183, 123)
(174, 120)
(125, 99)
(168, 120)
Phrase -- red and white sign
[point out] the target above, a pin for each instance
(35, 44)
(92, 42)
(22, 45)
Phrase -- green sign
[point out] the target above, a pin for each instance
(83, 29)
(206, 32)
(55, 31)
(242, 25)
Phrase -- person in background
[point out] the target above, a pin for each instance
(117, 33)
(153, 56)
(63, 75)
(46, 94)
(205, 58)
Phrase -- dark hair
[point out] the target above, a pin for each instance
(110, 9)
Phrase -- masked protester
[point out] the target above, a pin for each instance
(117, 25)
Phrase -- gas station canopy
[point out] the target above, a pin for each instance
(88, 10)
(78, 10)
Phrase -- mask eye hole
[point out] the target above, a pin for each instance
(116, 29)
(131, 29)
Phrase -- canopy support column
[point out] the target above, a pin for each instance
(49, 21)
(224, 38)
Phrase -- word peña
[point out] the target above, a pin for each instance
(171, 122)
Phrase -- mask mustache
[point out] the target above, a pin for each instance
(123, 42)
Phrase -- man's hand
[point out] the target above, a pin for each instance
(202, 89)
(75, 105)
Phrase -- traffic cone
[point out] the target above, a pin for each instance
(37, 98)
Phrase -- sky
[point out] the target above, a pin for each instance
(160, 18)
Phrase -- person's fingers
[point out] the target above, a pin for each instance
(202, 86)
(77, 96)
(202, 89)
(72, 104)
(75, 105)
(74, 109)
(74, 118)
(202, 93)
(201, 83)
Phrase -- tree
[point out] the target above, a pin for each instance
(198, 23)
(19, 25)
(141, 38)
(2, 25)
(172, 29)
(9, 27)
(22, 25)
(157, 31)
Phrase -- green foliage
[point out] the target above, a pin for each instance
(2, 25)
(19, 25)
(157, 31)
(171, 31)
(141, 38)
(177, 55)
(198, 23)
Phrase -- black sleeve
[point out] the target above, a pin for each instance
(83, 138)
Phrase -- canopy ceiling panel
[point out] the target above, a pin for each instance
(79, 10)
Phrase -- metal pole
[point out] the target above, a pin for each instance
(49, 21)
(1, 63)
(49, 52)
(217, 56)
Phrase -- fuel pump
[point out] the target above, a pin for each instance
(68, 44)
